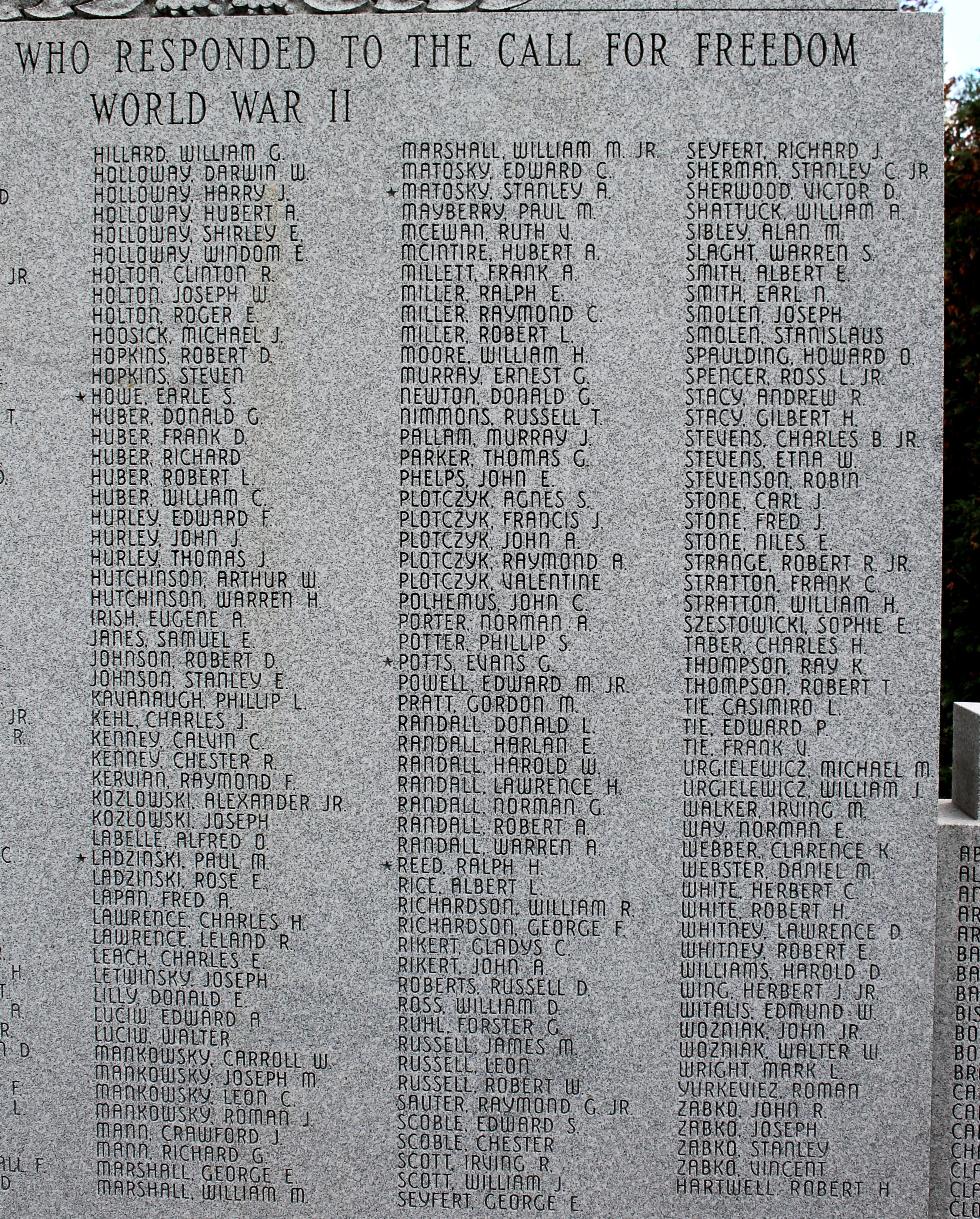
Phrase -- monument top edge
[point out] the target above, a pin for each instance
(48, 10)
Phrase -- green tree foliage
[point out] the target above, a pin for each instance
(961, 458)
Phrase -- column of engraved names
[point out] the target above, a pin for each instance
(23, 1159)
(190, 1093)
(499, 913)
(779, 936)
(955, 1176)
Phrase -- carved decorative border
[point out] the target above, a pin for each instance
(46, 10)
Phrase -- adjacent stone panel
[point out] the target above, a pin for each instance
(966, 758)
(955, 1189)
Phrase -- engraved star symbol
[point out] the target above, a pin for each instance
(81, 859)
(387, 865)
(391, 192)
(388, 661)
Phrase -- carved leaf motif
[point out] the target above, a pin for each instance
(48, 9)
(333, 6)
(11, 10)
(108, 8)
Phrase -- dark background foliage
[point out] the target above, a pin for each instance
(961, 457)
